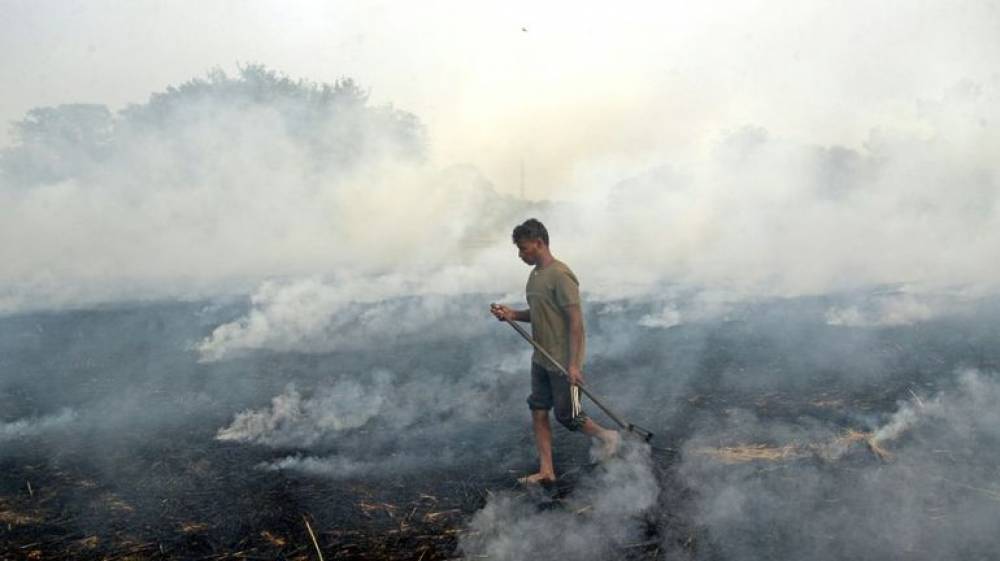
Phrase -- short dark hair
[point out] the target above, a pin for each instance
(531, 229)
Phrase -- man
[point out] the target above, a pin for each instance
(557, 326)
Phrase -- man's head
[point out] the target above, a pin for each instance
(532, 240)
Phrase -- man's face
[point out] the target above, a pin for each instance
(529, 251)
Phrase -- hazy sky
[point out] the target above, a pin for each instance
(504, 81)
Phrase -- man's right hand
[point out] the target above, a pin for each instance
(502, 312)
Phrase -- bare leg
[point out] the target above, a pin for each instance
(592, 429)
(543, 441)
(610, 439)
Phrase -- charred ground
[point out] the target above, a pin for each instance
(134, 469)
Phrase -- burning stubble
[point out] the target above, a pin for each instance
(255, 298)
(756, 400)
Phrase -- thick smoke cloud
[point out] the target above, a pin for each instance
(764, 215)
(757, 217)
(222, 183)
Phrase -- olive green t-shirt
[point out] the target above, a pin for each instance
(549, 291)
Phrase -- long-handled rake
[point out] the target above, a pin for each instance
(642, 433)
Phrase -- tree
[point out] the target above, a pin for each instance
(332, 125)
(54, 143)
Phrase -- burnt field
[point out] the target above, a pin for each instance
(785, 429)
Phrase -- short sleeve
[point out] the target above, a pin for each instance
(567, 290)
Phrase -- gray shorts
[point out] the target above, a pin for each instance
(550, 389)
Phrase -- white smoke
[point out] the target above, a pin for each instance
(892, 311)
(294, 421)
(388, 400)
(221, 183)
(344, 467)
(32, 427)
(603, 512)
(314, 315)
(667, 317)
(762, 215)
(216, 202)
(332, 467)
(966, 409)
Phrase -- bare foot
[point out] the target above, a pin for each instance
(611, 443)
(537, 479)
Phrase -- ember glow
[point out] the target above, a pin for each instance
(243, 307)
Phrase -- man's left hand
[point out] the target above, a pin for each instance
(575, 375)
